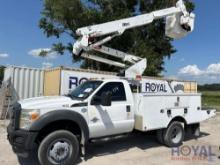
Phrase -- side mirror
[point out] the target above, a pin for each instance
(96, 101)
(106, 99)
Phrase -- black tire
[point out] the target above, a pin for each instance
(174, 134)
(31, 159)
(62, 144)
(160, 136)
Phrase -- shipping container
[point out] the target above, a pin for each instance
(52, 82)
(27, 82)
(32, 82)
(190, 87)
(62, 80)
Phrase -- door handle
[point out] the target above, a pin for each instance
(128, 108)
(95, 119)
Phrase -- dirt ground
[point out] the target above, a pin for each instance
(140, 149)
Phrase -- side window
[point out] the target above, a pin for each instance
(117, 90)
(135, 88)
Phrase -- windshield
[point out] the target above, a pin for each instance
(84, 90)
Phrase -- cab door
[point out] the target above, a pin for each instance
(114, 119)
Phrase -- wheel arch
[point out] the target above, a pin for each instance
(62, 119)
(179, 119)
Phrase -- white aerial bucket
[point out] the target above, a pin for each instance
(178, 26)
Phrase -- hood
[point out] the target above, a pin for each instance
(47, 102)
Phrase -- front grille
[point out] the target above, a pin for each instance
(15, 115)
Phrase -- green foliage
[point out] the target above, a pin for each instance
(210, 95)
(43, 53)
(211, 99)
(60, 18)
(209, 87)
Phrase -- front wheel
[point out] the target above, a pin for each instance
(59, 148)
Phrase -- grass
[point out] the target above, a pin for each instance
(211, 99)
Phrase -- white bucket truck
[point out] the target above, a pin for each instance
(60, 127)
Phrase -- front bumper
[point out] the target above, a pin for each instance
(22, 141)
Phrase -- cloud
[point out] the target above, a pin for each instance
(191, 70)
(36, 53)
(4, 55)
(47, 65)
(213, 69)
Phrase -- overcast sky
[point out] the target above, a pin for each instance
(197, 58)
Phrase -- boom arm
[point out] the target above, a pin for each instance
(179, 23)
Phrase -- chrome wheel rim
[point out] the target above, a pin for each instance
(59, 151)
(176, 135)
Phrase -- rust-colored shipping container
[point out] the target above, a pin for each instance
(190, 87)
(61, 80)
(52, 82)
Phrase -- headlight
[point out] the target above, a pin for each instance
(28, 116)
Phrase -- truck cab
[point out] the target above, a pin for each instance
(95, 109)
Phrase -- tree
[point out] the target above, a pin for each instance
(209, 87)
(62, 18)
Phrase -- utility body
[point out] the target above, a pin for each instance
(60, 127)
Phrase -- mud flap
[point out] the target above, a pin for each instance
(192, 130)
(83, 144)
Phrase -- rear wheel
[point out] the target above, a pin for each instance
(174, 134)
(160, 136)
(59, 148)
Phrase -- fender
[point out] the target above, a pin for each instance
(58, 115)
(178, 118)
